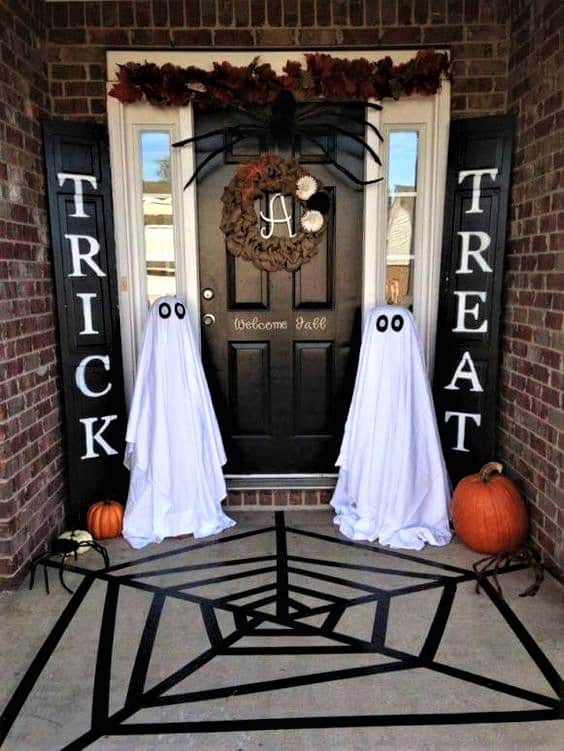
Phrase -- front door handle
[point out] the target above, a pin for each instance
(208, 319)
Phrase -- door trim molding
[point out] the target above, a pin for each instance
(281, 482)
(125, 164)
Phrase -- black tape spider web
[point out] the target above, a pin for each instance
(250, 619)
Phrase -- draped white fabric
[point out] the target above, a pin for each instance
(393, 485)
(174, 448)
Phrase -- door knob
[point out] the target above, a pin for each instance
(208, 293)
(208, 319)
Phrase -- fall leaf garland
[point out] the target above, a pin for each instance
(323, 77)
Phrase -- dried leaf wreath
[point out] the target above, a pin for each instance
(239, 222)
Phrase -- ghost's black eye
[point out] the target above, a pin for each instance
(397, 323)
(164, 310)
(180, 310)
(382, 323)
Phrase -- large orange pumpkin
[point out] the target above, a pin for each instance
(489, 512)
(105, 519)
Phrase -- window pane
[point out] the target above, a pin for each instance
(402, 197)
(157, 215)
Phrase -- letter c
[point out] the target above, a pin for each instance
(80, 375)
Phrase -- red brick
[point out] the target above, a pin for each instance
(71, 106)
(307, 12)
(67, 36)
(274, 12)
(192, 37)
(233, 37)
(192, 13)
(276, 37)
(225, 13)
(208, 8)
(144, 13)
(401, 35)
(258, 13)
(265, 498)
(68, 72)
(389, 13)
(323, 11)
(291, 12)
(109, 37)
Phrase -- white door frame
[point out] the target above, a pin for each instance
(430, 114)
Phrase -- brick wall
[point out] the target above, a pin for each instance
(79, 34)
(31, 482)
(70, 68)
(532, 394)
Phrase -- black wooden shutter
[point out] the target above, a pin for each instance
(82, 239)
(468, 343)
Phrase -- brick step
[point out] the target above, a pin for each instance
(258, 499)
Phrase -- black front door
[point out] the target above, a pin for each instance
(281, 349)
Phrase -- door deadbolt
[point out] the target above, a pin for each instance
(208, 293)
(208, 319)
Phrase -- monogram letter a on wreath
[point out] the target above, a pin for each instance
(278, 178)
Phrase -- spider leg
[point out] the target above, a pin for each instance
(323, 104)
(488, 561)
(101, 550)
(46, 579)
(31, 575)
(61, 571)
(309, 108)
(202, 136)
(252, 115)
(345, 119)
(224, 131)
(34, 564)
(370, 105)
(336, 164)
(533, 558)
(354, 137)
(496, 571)
(208, 159)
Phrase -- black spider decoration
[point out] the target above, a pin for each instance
(284, 122)
(526, 554)
(64, 548)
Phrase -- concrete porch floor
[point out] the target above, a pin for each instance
(301, 640)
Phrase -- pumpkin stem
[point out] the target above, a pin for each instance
(485, 474)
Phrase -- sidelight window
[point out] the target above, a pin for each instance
(158, 228)
(402, 159)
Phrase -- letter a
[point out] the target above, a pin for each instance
(470, 374)
(271, 221)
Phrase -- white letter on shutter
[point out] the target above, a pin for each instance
(86, 298)
(484, 243)
(80, 375)
(461, 430)
(62, 177)
(476, 180)
(88, 423)
(462, 311)
(77, 256)
(470, 374)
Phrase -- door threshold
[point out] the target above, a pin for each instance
(281, 482)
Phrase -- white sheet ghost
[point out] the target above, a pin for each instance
(174, 448)
(393, 485)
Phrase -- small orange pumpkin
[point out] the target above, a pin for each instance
(105, 519)
(489, 512)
